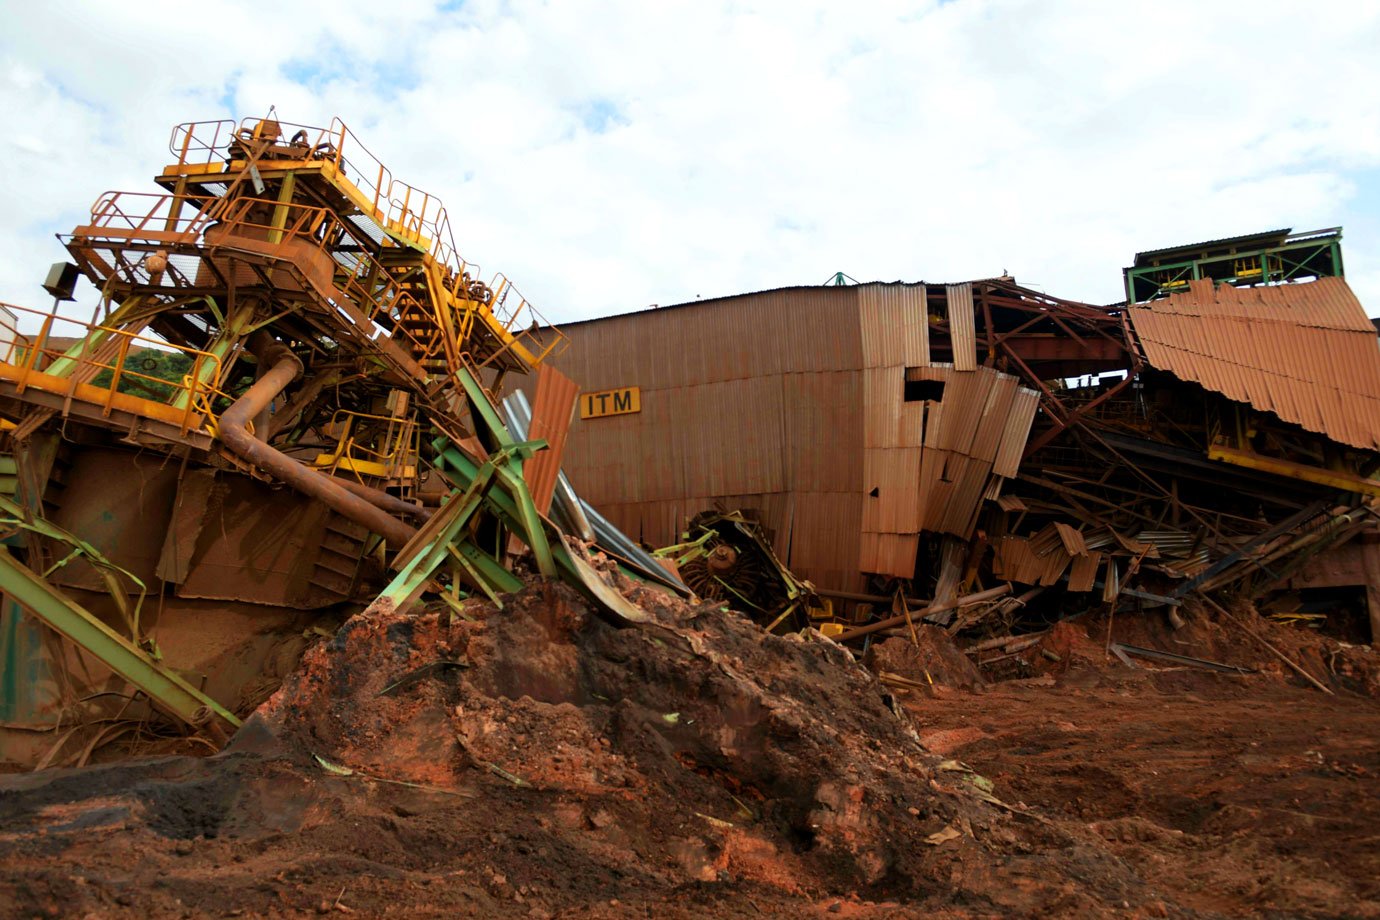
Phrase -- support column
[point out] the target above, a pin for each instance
(1370, 561)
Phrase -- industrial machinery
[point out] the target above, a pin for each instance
(288, 370)
(724, 556)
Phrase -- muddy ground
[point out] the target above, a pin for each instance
(537, 762)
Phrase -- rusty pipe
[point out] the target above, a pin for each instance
(233, 431)
(380, 499)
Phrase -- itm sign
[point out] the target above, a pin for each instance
(621, 401)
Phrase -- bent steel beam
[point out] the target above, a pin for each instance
(170, 692)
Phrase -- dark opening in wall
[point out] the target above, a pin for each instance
(921, 390)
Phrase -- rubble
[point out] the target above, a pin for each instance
(302, 609)
(927, 659)
(637, 763)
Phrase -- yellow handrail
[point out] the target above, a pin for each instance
(33, 371)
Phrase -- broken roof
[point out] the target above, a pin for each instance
(1306, 352)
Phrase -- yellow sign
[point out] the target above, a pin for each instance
(621, 401)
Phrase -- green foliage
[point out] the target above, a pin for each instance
(135, 380)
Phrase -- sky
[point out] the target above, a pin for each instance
(607, 156)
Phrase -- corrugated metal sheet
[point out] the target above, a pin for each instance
(1305, 352)
(746, 414)
(952, 555)
(1015, 432)
(1072, 539)
(1011, 503)
(1014, 560)
(996, 410)
(552, 412)
(894, 323)
(1254, 240)
(1083, 571)
(893, 474)
(962, 326)
(824, 430)
(994, 485)
(792, 402)
(883, 396)
(826, 539)
(889, 553)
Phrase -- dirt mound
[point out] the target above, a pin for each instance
(931, 659)
(534, 761)
(753, 756)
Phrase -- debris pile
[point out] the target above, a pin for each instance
(1215, 435)
(280, 436)
(557, 763)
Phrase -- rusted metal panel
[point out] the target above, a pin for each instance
(1083, 571)
(120, 502)
(1306, 352)
(1338, 566)
(996, 411)
(1015, 432)
(1011, 503)
(823, 422)
(962, 326)
(1072, 539)
(911, 429)
(820, 331)
(262, 546)
(194, 495)
(894, 325)
(552, 412)
(836, 422)
(889, 553)
(942, 472)
(890, 481)
(611, 469)
(964, 395)
(1013, 560)
(967, 500)
(746, 413)
(661, 475)
(882, 398)
(825, 543)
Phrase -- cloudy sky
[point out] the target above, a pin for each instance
(611, 155)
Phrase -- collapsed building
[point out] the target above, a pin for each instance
(1216, 432)
(274, 415)
(284, 410)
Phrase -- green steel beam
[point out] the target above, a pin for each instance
(165, 688)
(19, 517)
(446, 528)
(498, 579)
(509, 472)
(69, 360)
(460, 470)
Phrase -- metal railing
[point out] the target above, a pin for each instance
(396, 206)
(397, 446)
(137, 212)
(52, 362)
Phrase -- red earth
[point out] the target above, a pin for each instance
(538, 762)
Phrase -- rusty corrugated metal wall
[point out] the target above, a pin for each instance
(793, 403)
(752, 402)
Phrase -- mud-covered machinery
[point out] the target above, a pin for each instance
(724, 556)
(288, 370)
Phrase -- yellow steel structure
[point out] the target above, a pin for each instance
(268, 224)
(1338, 480)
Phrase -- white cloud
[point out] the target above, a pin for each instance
(610, 155)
